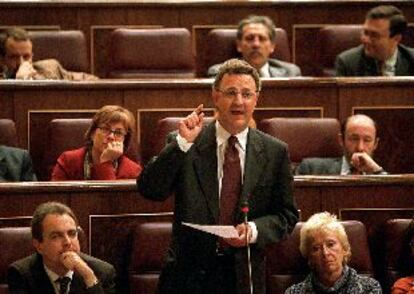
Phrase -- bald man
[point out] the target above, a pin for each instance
(359, 141)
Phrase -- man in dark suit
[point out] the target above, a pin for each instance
(359, 141)
(15, 165)
(58, 257)
(16, 56)
(381, 53)
(194, 166)
(256, 41)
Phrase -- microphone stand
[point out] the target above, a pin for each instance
(245, 210)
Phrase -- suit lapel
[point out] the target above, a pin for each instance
(205, 165)
(254, 165)
(401, 67)
(77, 285)
(40, 278)
(336, 166)
(371, 68)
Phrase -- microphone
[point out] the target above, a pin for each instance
(245, 211)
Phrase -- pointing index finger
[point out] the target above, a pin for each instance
(199, 109)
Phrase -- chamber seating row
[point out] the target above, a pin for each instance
(285, 265)
(306, 137)
(171, 53)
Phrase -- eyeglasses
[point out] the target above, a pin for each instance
(375, 36)
(232, 94)
(118, 134)
(58, 235)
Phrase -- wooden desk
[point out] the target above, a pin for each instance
(110, 211)
(96, 18)
(388, 100)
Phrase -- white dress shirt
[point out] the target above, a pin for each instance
(222, 137)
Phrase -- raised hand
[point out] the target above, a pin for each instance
(72, 261)
(25, 71)
(191, 126)
(364, 163)
(112, 152)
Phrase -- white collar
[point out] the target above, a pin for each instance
(345, 167)
(222, 136)
(264, 71)
(54, 276)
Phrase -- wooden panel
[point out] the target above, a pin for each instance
(38, 133)
(100, 46)
(395, 129)
(392, 108)
(57, 99)
(304, 51)
(199, 34)
(17, 221)
(374, 220)
(117, 248)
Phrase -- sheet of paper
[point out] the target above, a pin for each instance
(221, 231)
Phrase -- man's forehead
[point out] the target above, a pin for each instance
(234, 80)
(360, 127)
(378, 24)
(255, 28)
(12, 43)
(55, 219)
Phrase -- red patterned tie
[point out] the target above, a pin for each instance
(231, 183)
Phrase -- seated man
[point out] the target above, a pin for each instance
(15, 165)
(16, 57)
(256, 40)
(381, 53)
(59, 266)
(359, 141)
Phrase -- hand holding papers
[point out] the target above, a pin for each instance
(221, 231)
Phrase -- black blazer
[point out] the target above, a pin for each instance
(192, 176)
(354, 62)
(28, 276)
(15, 165)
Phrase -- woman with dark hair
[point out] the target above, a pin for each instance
(406, 285)
(103, 156)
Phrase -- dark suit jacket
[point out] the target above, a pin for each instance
(28, 276)
(15, 165)
(320, 166)
(354, 62)
(277, 68)
(192, 176)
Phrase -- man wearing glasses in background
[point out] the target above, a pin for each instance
(58, 266)
(381, 53)
(212, 171)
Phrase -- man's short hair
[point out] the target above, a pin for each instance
(398, 23)
(356, 116)
(237, 67)
(18, 34)
(264, 20)
(44, 210)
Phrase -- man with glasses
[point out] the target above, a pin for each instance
(256, 41)
(214, 171)
(58, 266)
(359, 141)
(381, 53)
